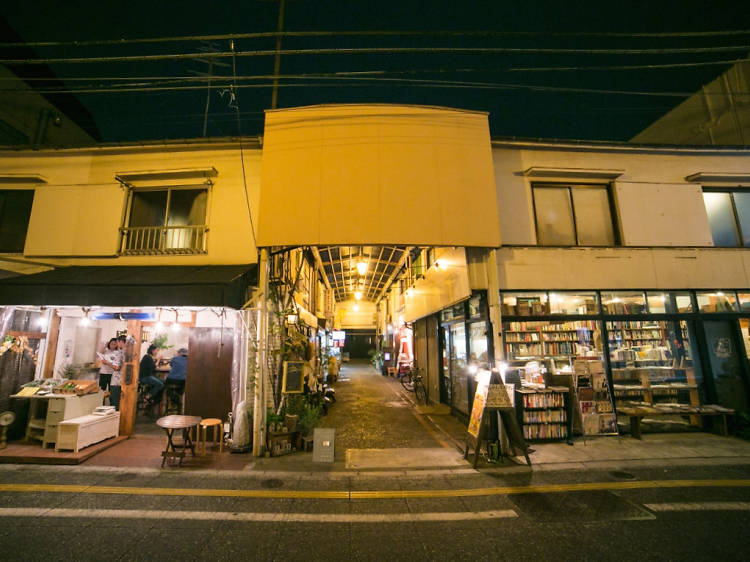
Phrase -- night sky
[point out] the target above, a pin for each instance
(540, 69)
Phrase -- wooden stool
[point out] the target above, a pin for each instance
(217, 425)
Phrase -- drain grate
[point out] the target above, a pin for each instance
(622, 475)
(272, 483)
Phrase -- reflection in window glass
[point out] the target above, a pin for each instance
(717, 301)
(478, 344)
(669, 303)
(554, 217)
(457, 357)
(524, 304)
(721, 218)
(742, 204)
(623, 303)
(744, 301)
(573, 303)
(593, 220)
(652, 365)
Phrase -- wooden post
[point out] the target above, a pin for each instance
(129, 394)
(53, 332)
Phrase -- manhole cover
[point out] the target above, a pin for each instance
(272, 483)
(622, 475)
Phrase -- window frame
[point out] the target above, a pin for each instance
(737, 224)
(570, 186)
(127, 215)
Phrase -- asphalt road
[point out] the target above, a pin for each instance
(688, 513)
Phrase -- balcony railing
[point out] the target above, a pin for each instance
(164, 239)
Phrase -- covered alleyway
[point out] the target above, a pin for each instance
(378, 425)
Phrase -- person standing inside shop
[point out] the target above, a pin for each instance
(110, 362)
(147, 375)
(115, 387)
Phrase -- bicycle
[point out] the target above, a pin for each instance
(412, 382)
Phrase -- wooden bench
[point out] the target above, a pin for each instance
(636, 415)
(80, 432)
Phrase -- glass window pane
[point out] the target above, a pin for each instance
(717, 301)
(524, 304)
(187, 207)
(623, 303)
(652, 366)
(460, 390)
(721, 219)
(669, 303)
(478, 344)
(593, 216)
(742, 204)
(744, 302)
(149, 208)
(573, 303)
(554, 217)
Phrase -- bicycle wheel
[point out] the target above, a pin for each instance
(407, 382)
(420, 393)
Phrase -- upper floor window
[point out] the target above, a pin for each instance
(729, 217)
(573, 215)
(15, 210)
(166, 221)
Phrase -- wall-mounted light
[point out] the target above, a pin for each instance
(85, 320)
(42, 318)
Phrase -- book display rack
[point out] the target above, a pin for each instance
(544, 414)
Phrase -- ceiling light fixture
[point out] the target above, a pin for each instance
(358, 295)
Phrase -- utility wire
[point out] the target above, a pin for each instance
(383, 72)
(373, 50)
(375, 33)
(379, 81)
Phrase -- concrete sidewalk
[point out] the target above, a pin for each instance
(379, 429)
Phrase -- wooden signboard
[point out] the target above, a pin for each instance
(497, 397)
(489, 400)
(294, 379)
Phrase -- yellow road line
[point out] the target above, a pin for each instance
(380, 494)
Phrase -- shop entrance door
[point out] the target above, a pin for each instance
(209, 372)
(727, 369)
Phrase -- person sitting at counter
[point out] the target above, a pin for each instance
(147, 375)
(178, 370)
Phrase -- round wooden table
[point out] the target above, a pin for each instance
(170, 425)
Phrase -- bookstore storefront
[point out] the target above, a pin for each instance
(673, 352)
(466, 346)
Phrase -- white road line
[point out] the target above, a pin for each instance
(257, 517)
(699, 506)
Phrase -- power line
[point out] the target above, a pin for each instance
(374, 33)
(374, 50)
(383, 72)
(373, 81)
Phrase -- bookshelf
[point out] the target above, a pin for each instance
(543, 414)
(541, 339)
(651, 385)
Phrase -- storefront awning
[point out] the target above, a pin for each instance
(132, 286)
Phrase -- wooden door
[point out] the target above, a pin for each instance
(209, 373)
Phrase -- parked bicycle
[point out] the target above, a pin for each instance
(413, 382)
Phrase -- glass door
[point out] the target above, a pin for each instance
(726, 364)
(445, 373)
(457, 357)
